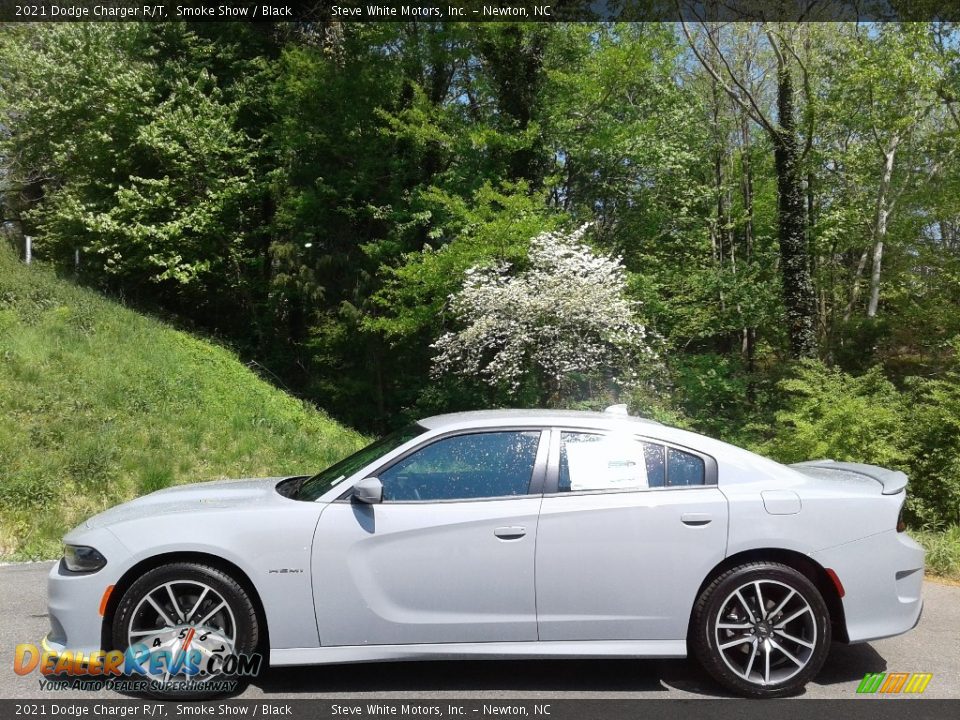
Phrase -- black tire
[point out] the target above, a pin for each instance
(812, 628)
(242, 610)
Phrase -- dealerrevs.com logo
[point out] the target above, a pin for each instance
(138, 668)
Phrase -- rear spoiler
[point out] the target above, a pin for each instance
(893, 481)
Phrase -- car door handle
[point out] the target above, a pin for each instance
(510, 533)
(696, 519)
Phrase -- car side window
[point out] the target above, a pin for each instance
(595, 461)
(684, 469)
(591, 461)
(656, 464)
(465, 467)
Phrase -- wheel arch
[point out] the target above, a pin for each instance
(803, 564)
(155, 561)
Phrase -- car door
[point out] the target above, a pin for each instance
(447, 556)
(629, 527)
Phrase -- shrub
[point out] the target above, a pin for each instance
(830, 414)
(934, 450)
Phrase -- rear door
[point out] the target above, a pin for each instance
(629, 528)
(447, 557)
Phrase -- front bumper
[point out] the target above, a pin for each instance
(74, 600)
(882, 576)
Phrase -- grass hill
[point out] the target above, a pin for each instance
(99, 404)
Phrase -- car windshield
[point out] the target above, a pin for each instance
(313, 487)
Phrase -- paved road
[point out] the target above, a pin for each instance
(934, 646)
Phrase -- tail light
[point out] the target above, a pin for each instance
(901, 524)
(832, 574)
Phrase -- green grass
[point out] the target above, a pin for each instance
(943, 551)
(99, 404)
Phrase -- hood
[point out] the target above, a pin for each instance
(188, 498)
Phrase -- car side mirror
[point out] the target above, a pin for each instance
(369, 491)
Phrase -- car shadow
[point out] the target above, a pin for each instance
(846, 663)
(483, 676)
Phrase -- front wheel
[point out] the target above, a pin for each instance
(761, 629)
(188, 626)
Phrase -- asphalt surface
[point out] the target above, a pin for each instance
(934, 646)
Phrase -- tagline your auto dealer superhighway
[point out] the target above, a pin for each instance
(152, 12)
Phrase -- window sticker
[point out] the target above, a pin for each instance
(606, 463)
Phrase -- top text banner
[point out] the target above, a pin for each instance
(327, 11)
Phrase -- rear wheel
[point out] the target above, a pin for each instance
(761, 629)
(188, 622)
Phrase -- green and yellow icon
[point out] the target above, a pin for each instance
(893, 683)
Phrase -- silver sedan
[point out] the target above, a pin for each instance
(500, 534)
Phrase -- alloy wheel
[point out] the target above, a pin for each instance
(766, 632)
(181, 616)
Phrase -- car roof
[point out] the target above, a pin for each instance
(495, 418)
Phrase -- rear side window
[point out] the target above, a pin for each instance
(594, 461)
(684, 469)
(590, 461)
(465, 467)
(656, 464)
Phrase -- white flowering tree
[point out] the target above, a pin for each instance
(566, 314)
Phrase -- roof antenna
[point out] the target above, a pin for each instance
(618, 410)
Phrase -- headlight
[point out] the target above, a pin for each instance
(80, 558)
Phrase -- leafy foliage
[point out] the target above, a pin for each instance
(159, 199)
(829, 414)
(315, 195)
(567, 313)
(934, 450)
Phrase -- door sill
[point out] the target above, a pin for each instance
(479, 651)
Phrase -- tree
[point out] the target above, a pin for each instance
(567, 313)
(890, 76)
(789, 154)
(512, 56)
(130, 147)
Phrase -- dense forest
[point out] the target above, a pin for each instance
(777, 207)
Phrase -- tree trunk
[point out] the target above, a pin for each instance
(749, 333)
(717, 230)
(798, 295)
(855, 288)
(880, 226)
(514, 63)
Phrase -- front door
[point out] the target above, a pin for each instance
(447, 557)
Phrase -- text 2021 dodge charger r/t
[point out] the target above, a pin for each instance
(504, 534)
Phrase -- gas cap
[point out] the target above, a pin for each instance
(781, 502)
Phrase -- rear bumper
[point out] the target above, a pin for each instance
(882, 576)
